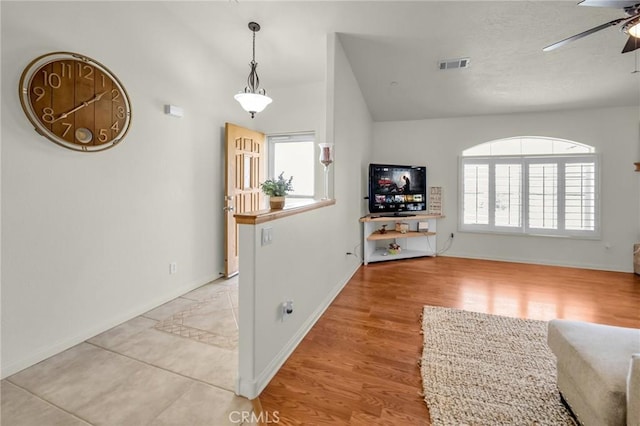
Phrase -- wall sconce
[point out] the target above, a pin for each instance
(326, 159)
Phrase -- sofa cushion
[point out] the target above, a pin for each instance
(596, 358)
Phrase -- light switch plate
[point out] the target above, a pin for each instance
(267, 236)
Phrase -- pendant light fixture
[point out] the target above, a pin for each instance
(253, 99)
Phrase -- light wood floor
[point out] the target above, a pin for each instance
(358, 365)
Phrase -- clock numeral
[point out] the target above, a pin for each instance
(39, 92)
(120, 114)
(104, 80)
(52, 80)
(103, 135)
(68, 127)
(47, 115)
(115, 127)
(65, 70)
(115, 95)
(84, 148)
(85, 71)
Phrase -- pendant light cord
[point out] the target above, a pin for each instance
(253, 81)
(254, 47)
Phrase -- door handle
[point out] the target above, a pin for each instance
(228, 209)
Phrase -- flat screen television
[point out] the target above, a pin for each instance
(394, 189)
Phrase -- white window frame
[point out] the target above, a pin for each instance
(525, 160)
(274, 139)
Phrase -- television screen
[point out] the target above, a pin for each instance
(394, 188)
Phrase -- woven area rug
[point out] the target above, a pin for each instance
(479, 369)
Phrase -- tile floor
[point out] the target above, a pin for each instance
(174, 365)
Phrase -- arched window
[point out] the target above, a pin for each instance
(530, 185)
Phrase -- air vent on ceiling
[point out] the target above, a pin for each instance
(451, 64)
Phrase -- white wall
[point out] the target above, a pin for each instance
(306, 261)
(353, 134)
(298, 109)
(87, 238)
(295, 109)
(637, 159)
(612, 131)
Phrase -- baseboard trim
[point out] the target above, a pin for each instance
(547, 262)
(64, 344)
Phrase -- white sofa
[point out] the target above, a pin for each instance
(598, 371)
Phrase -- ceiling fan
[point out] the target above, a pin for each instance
(630, 24)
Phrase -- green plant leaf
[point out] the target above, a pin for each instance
(277, 187)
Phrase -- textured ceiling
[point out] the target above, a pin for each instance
(508, 71)
(401, 42)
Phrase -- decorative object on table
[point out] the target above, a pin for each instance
(252, 98)
(383, 229)
(402, 227)
(637, 166)
(435, 200)
(277, 189)
(326, 158)
(394, 248)
(481, 369)
(75, 101)
(423, 226)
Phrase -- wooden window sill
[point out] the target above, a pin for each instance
(291, 207)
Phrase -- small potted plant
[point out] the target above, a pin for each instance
(277, 189)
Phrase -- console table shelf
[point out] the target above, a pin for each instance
(390, 235)
(413, 243)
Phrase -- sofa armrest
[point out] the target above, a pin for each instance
(633, 391)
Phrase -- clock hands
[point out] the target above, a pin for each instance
(82, 105)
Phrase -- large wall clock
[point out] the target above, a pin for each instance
(75, 101)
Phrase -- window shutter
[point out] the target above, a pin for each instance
(508, 184)
(580, 196)
(543, 196)
(476, 194)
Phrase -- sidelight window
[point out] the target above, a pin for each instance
(294, 155)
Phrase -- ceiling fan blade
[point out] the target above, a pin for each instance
(618, 4)
(632, 44)
(584, 34)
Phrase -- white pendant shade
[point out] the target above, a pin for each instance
(634, 30)
(253, 102)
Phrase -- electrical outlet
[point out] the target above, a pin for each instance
(173, 268)
(287, 309)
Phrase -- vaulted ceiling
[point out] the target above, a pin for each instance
(394, 48)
